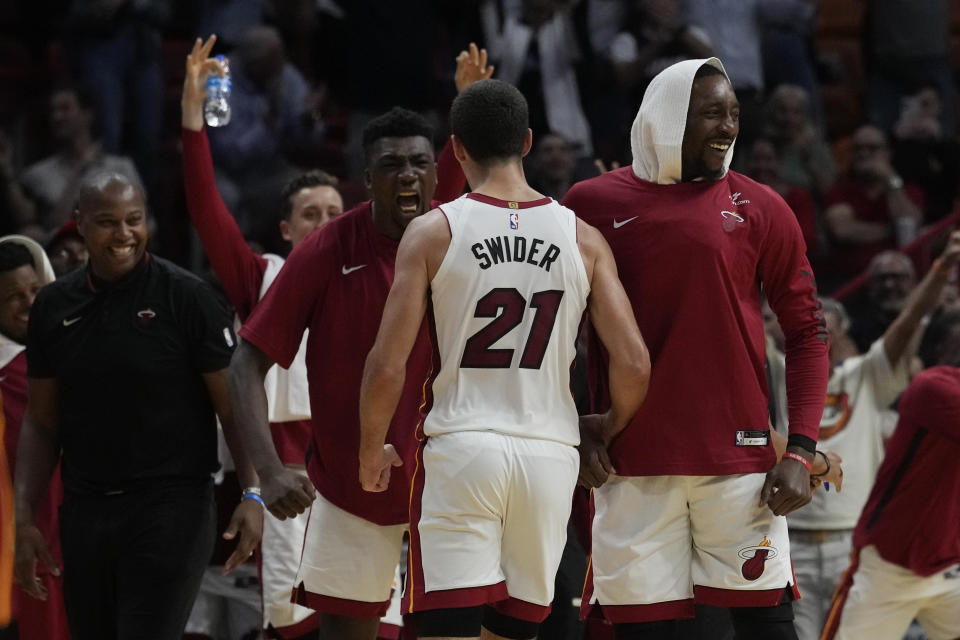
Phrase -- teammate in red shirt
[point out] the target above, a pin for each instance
(335, 284)
(906, 559)
(24, 268)
(684, 519)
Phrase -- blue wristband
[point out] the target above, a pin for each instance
(252, 496)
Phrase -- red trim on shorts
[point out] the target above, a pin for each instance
(389, 631)
(339, 606)
(621, 613)
(587, 593)
(310, 624)
(832, 624)
(522, 610)
(741, 598)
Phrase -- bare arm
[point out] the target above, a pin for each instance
(901, 337)
(629, 362)
(612, 316)
(421, 251)
(285, 493)
(247, 518)
(37, 455)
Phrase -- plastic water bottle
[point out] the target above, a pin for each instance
(216, 108)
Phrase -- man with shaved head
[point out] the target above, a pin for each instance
(126, 366)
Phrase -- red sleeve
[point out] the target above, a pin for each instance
(240, 270)
(450, 178)
(932, 402)
(792, 291)
(276, 324)
(802, 205)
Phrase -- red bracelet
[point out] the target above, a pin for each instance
(799, 458)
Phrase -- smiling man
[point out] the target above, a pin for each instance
(694, 512)
(126, 362)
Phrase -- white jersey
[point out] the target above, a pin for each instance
(854, 425)
(507, 302)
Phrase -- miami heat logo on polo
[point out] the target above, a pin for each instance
(729, 220)
(755, 558)
(146, 315)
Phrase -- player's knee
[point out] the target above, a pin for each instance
(509, 627)
(764, 623)
(657, 630)
(462, 622)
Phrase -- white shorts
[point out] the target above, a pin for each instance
(491, 515)
(280, 551)
(662, 542)
(878, 599)
(349, 564)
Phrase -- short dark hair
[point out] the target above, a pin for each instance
(396, 123)
(491, 119)
(14, 255)
(310, 179)
(942, 324)
(83, 93)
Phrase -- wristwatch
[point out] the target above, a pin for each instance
(895, 182)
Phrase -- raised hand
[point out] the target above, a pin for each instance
(472, 67)
(199, 66)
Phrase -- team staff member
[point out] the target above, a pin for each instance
(906, 558)
(497, 462)
(126, 363)
(24, 268)
(685, 518)
(335, 283)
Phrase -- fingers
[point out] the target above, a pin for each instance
(594, 472)
(307, 486)
(208, 46)
(392, 456)
(474, 53)
(47, 558)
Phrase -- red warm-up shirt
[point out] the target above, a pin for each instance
(692, 257)
(913, 513)
(335, 283)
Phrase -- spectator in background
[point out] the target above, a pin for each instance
(271, 120)
(923, 155)
(23, 270)
(907, 42)
(50, 186)
(890, 279)
(870, 209)
(551, 166)
(856, 424)
(114, 46)
(805, 157)
(66, 249)
(734, 28)
(535, 48)
(788, 58)
(906, 558)
(764, 166)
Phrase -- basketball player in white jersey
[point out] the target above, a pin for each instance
(506, 275)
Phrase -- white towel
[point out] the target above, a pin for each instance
(657, 133)
(8, 348)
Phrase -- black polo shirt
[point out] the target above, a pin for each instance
(128, 359)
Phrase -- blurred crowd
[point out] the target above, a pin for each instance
(848, 111)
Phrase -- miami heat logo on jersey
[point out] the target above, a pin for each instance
(836, 414)
(755, 558)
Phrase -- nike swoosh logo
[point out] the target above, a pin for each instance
(617, 225)
(345, 269)
(67, 323)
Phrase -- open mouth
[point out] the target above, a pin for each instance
(721, 147)
(123, 252)
(408, 201)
